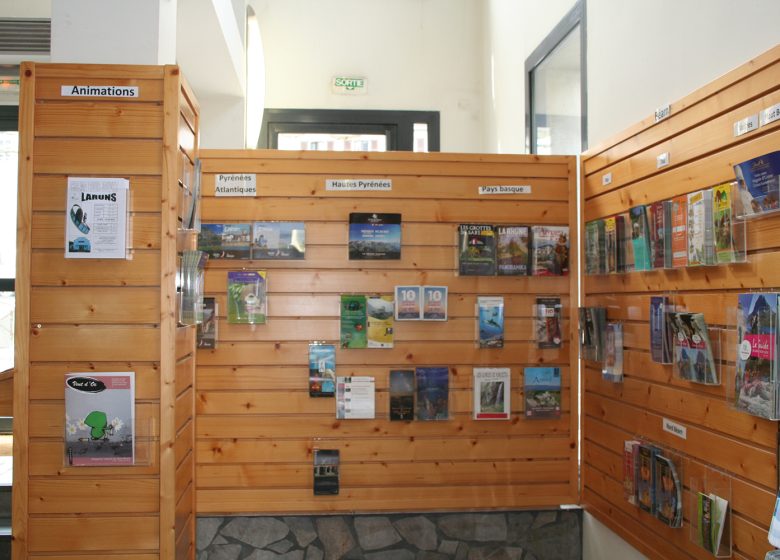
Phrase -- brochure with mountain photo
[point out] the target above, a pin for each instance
(490, 321)
(374, 236)
(512, 252)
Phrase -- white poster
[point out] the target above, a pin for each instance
(96, 218)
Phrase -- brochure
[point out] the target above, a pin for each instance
(491, 393)
(379, 321)
(355, 398)
(326, 472)
(100, 419)
(353, 321)
(246, 295)
(97, 218)
(490, 321)
(226, 241)
(512, 252)
(548, 322)
(476, 250)
(322, 370)
(432, 387)
(278, 240)
(550, 250)
(402, 394)
(434, 303)
(207, 330)
(758, 184)
(542, 392)
(374, 236)
(408, 303)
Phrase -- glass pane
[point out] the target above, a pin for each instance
(9, 161)
(556, 99)
(420, 137)
(6, 330)
(332, 142)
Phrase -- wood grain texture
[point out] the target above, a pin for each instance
(101, 315)
(256, 424)
(721, 442)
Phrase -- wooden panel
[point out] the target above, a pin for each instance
(47, 270)
(101, 315)
(183, 412)
(185, 374)
(96, 495)
(404, 187)
(256, 424)
(95, 305)
(453, 211)
(93, 533)
(6, 395)
(415, 498)
(116, 343)
(99, 120)
(720, 441)
(447, 473)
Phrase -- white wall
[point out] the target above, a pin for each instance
(513, 29)
(642, 55)
(416, 54)
(600, 543)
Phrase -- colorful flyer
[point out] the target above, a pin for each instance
(246, 295)
(379, 321)
(408, 303)
(100, 419)
(353, 321)
(322, 370)
(434, 303)
(96, 220)
(278, 240)
(374, 236)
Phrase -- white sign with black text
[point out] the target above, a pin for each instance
(505, 189)
(235, 184)
(358, 184)
(674, 428)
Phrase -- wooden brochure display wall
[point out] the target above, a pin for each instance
(100, 315)
(257, 426)
(702, 148)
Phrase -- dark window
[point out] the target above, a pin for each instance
(350, 130)
(555, 77)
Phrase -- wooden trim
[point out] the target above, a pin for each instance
(169, 224)
(19, 515)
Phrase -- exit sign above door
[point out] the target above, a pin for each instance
(349, 86)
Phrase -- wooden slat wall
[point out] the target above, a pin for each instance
(102, 315)
(699, 138)
(7, 393)
(256, 424)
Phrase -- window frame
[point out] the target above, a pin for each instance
(576, 16)
(9, 121)
(397, 126)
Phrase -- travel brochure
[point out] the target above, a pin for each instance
(257, 240)
(401, 394)
(693, 357)
(542, 387)
(246, 297)
(322, 369)
(490, 321)
(96, 220)
(207, 329)
(374, 236)
(491, 393)
(355, 398)
(696, 229)
(100, 419)
(367, 321)
(421, 303)
(326, 472)
(432, 393)
(548, 322)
